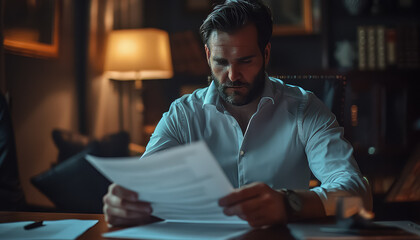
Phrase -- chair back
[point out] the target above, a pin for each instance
(330, 89)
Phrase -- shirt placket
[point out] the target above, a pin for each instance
(242, 164)
(241, 153)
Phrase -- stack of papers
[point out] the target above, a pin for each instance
(391, 230)
(181, 231)
(183, 185)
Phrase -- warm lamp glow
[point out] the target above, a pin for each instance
(138, 54)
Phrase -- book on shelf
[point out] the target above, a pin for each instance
(391, 46)
(371, 47)
(380, 47)
(368, 47)
(361, 38)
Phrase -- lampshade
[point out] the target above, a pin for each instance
(138, 54)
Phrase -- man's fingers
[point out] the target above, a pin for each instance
(122, 213)
(139, 206)
(122, 207)
(263, 207)
(123, 193)
(244, 208)
(119, 222)
(242, 194)
(114, 221)
(262, 218)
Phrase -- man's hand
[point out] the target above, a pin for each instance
(256, 203)
(122, 207)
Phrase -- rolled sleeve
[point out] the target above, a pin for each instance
(343, 186)
(330, 158)
(169, 132)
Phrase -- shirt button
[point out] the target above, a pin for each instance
(241, 153)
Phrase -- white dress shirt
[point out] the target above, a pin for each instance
(291, 134)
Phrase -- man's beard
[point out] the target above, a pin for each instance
(238, 98)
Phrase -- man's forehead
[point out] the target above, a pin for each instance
(246, 36)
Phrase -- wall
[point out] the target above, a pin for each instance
(43, 97)
(102, 98)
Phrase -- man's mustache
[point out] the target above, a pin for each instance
(235, 84)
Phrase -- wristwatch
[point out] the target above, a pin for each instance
(293, 204)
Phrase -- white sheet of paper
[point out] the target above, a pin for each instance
(318, 231)
(182, 183)
(408, 226)
(181, 231)
(59, 229)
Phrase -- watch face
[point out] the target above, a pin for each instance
(294, 201)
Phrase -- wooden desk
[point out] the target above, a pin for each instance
(279, 232)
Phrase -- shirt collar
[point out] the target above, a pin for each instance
(269, 91)
(212, 96)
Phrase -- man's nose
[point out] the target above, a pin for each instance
(234, 73)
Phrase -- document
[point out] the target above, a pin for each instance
(182, 184)
(181, 231)
(386, 229)
(59, 229)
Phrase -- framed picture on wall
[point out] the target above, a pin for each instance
(291, 17)
(31, 27)
(197, 5)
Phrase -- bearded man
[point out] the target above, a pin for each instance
(267, 136)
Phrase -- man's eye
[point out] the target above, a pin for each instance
(221, 62)
(246, 61)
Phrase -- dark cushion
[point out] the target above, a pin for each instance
(68, 143)
(114, 145)
(74, 185)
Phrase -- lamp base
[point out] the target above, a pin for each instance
(138, 84)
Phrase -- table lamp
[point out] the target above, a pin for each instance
(137, 54)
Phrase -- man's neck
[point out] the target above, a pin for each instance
(243, 113)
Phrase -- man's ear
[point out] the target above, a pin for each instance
(207, 53)
(267, 52)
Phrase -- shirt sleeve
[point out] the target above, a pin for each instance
(330, 156)
(169, 131)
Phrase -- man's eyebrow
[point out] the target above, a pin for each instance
(246, 57)
(218, 58)
(239, 59)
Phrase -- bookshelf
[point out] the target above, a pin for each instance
(382, 105)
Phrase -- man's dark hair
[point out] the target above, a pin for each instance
(235, 14)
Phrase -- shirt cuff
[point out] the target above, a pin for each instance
(330, 193)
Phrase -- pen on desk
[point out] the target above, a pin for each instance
(34, 225)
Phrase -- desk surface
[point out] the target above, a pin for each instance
(280, 232)
(93, 233)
